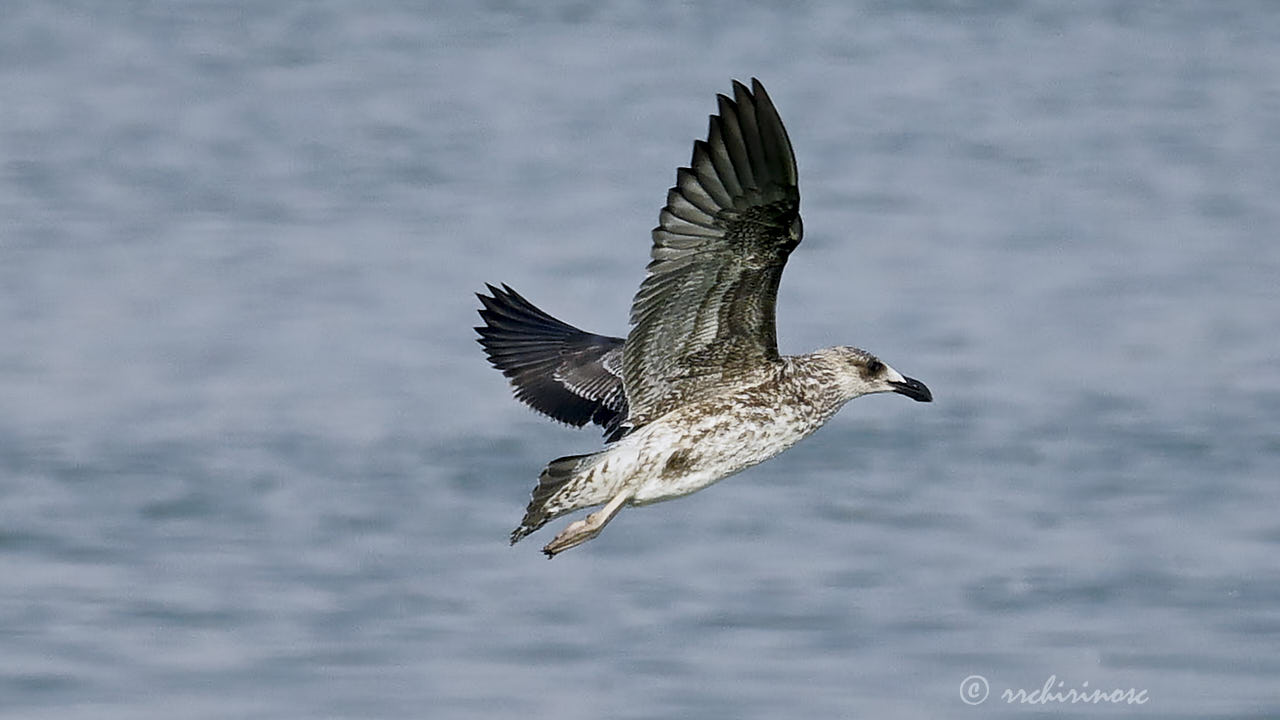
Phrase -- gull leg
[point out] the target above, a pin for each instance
(580, 531)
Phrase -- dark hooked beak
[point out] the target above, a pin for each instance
(913, 389)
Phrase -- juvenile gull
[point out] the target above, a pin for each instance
(697, 391)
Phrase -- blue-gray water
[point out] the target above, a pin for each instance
(252, 464)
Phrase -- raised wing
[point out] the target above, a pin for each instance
(707, 303)
(562, 372)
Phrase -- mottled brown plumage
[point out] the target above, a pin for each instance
(706, 307)
(698, 390)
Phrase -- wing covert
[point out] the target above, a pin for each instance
(707, 303)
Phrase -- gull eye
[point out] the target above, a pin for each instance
(874, 367)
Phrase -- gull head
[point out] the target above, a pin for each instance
(858, 373)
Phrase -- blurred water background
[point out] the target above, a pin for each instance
(253, 465)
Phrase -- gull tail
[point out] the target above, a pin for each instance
(567, 483)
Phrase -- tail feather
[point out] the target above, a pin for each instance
(554, 496)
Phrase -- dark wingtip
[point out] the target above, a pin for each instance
(757, 89)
